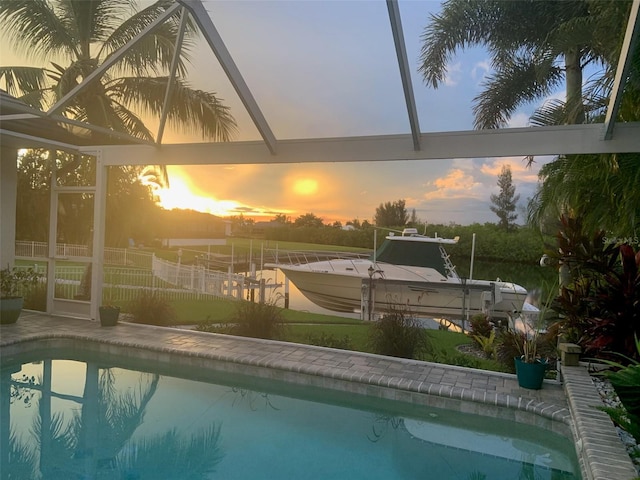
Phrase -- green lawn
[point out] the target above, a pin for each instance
(191, 312)
(334, 331)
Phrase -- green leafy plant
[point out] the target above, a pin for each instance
(258, 320)
(625, 380)
(487, 344)
(398, 334)
(152, 309)
(453, 358)
(15, 282)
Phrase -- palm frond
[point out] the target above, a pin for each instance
(602, 188)
(190, 109)
(459, 25)
(35, 29)
(22, 459)
(18, 80)
(517, 82)
(552, 112)
(154, 53)
(170, 456)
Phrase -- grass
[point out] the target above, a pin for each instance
(303, 326)
(191, 312)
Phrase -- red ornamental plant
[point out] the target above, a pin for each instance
(615, 307)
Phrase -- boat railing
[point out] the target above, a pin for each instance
(301, 257)
(448, 264)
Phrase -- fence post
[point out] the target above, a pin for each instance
(262, 291)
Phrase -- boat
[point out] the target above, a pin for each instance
(409, 270)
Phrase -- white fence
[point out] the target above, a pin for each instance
(172, 281)
(198, 279)
(112, 256)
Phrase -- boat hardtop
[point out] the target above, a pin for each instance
(412, 235)
(414, 250)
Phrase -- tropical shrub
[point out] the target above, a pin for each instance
(257, 320)
(598, 305)
(152, 309)
(615, 321)
(399, 334)
(626, 382)
(36, 297)
(480, 325)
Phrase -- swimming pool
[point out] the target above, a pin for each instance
(90, 416)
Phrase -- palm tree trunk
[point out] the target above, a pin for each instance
(575, 107)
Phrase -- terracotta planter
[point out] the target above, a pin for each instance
(530, 375)
(10, 309)
(109, 316)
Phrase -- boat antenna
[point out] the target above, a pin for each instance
(473, 252)
(375, 244)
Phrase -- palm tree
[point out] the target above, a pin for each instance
(601, 190)
(534, 45)
(76, 37)
(97, 442)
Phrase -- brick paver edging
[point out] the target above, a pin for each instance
(338, 365)
(598, 441)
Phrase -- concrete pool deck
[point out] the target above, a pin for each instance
(566, 407)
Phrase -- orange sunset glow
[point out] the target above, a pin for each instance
(180, 195)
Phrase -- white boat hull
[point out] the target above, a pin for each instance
(445, 297)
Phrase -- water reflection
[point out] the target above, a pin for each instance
(93, 439)
(66, 419)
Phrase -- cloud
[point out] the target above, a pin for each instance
(519, 170)
(518, 120)
(457, 183)
(452, 75)
(480, 70)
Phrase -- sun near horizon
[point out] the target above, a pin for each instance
(184, 194)
(180, 195)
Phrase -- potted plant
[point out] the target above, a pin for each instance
(109, 315)
(14, 283)
(530, 365)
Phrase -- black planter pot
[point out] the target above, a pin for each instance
(10, 309)
(109, 316)
(530, 375)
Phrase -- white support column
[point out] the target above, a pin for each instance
(99, 227)
(8, 192)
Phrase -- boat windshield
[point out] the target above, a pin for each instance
(411, 253)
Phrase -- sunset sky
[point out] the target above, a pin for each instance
(326, 69)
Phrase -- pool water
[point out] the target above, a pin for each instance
(72, 419)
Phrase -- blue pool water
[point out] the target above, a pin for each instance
(71, 419)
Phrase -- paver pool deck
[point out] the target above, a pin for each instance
(566, 406)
